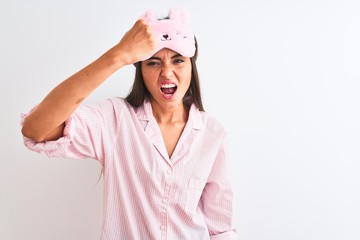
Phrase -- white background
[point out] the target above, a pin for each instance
(282, 76)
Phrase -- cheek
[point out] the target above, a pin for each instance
(187, 75)
(149, 77)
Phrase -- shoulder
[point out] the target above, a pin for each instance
(106, 109)
(115, 101)
(210, 124)
(115, 104)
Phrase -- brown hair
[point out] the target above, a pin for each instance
(139, 92)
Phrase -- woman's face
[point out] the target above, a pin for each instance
(167, 76)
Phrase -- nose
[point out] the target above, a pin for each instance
(167, 71)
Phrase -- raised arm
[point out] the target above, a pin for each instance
(47, 121)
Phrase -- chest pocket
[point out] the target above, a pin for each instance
(195, 189)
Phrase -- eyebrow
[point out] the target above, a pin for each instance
(157, 58)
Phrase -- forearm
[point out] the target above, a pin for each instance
(44, 122)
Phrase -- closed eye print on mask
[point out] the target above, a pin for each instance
(181, 35)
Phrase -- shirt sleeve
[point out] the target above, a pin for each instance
(89, 132)
(216, 201)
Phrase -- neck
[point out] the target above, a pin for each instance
(178, 114)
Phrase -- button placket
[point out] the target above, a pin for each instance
(165, 202)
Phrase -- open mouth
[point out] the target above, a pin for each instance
(168, 89)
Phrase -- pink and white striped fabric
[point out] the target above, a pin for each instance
(148, 195)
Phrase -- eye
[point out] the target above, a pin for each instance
(152, 63)
(179, 60)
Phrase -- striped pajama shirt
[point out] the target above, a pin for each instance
(147, 194)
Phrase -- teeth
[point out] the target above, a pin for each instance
(168, 85)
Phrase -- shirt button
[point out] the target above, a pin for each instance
(162, 227)
(164, 200)
(169, 171)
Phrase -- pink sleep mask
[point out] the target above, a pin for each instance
(172, 32)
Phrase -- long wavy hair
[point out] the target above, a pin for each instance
(139, 92)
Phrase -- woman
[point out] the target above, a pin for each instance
(163, 158)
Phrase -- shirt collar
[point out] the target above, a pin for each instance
(144, 113)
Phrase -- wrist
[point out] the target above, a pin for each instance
(115, 58)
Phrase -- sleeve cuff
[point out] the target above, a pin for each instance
(51, 148)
